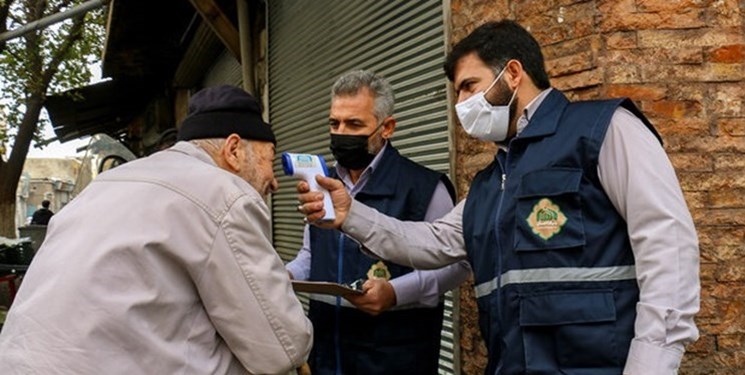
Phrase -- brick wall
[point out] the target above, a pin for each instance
(683, 64)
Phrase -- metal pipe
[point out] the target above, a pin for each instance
(244, 34)
(54, 18)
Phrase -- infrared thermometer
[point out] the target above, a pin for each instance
(306, 167)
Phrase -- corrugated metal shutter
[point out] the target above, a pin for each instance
(204, 49)
(313, 42)
(225, 70)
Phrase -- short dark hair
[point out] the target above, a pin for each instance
(496, 43)
(45, 203)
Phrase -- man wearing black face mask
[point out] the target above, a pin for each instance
(394, 328)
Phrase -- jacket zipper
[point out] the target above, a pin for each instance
(503, 169)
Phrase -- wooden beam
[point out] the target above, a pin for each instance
(220, 25)
(244, 29)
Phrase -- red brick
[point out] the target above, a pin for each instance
(721, 253)
(735, 217)
(694, 73)
(682, 55)
(623, 40)
(647, 92)
(550, 33)
(725, 294)
(695, 199)
(698, 181)
(707, 273)
(729, 99)
(674, 143)
(666, 5)
(670, 109)
(570, 64)
(692, 162)
(703, 37)
(620, 74)
(729, 198)
(526, 8)
(727, 54)
(691, 18)
(730, 162)
(697, 91)
(732, 273)
(620, 8)
(685, 126)
(734, 127)
(560, 24)
(584, 79)
(584, 93)
(727, 240)
(571, 47)
(584, 26)
(731, 342)
(725, 13)
(705, 344)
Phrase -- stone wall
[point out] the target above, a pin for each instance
(683, 64)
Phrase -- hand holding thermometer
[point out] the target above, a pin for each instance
(306, 167)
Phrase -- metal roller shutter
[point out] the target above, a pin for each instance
(313, 42)
(225, 71)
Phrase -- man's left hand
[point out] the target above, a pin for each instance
(379, 296)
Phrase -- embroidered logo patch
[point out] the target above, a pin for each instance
(546, 219)
(379, 271)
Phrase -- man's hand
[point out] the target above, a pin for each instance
(311, 202)
(379, 296)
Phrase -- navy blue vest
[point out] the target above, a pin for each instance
(552, 262)
(348, 341)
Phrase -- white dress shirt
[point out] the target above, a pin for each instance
(420, 287)
(641, 183)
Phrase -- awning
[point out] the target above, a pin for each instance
(105, 107)
(144, 43)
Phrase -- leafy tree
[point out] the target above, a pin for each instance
(39, 62)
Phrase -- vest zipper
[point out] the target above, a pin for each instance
(503, 168)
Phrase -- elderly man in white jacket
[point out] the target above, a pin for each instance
(164, 265)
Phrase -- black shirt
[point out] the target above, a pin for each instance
(42, 216)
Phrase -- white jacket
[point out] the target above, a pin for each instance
(161, 266)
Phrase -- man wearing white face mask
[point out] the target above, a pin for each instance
(483, 120)
(584, 253)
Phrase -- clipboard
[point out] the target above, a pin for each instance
(324, 287)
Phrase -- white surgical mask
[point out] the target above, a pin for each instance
(482, 120)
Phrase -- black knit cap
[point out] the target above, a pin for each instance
(217, 112)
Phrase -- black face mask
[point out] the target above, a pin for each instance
(351, 151)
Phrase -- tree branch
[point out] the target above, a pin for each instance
(60, 6)
(76, 33)
(4, 13)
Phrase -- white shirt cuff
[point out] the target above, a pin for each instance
(648, 359)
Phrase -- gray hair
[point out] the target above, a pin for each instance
(352, 82)
(212, 146)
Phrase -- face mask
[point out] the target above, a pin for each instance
(482, 120)
(351, 151)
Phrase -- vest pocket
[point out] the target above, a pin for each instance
(549, 210)
(570, 330)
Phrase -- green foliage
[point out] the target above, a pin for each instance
(43, 61)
